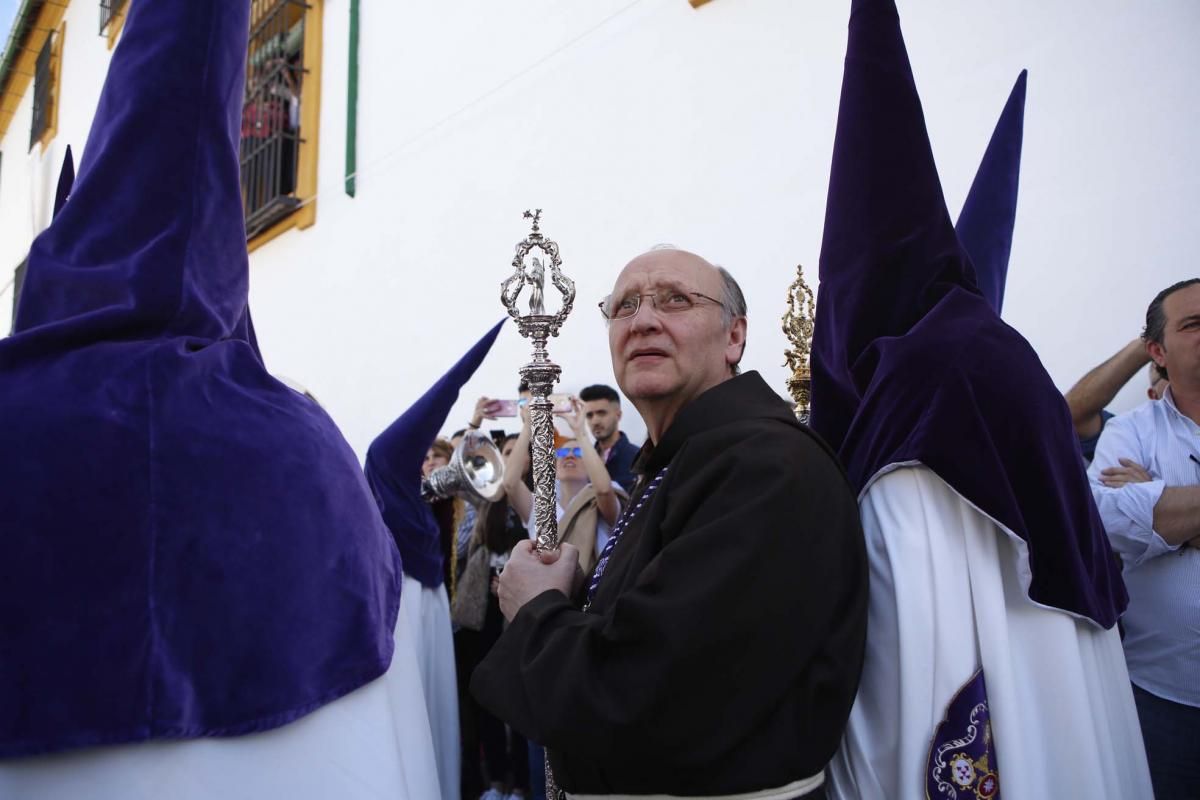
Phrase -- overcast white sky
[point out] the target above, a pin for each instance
(8, 9)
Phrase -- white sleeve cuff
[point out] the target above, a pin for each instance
(1137, 501)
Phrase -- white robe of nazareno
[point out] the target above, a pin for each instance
(372, 744)
(428, 612)
(948, 597)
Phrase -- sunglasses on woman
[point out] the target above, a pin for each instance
(563, 452)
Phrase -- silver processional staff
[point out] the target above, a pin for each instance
(541, 373)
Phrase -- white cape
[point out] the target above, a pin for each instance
(428, 613)
(373, 743)
(948, 597)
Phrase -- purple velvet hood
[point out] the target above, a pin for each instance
(912, 364)
(189, 547)
(989, 214)
(394, 461)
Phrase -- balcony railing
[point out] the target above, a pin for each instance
(109, 9)
(271, 135)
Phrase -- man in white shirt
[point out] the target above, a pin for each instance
(1146, 480)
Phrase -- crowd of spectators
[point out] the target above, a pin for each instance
(593, 462)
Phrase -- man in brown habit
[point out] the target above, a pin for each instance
(716, 649)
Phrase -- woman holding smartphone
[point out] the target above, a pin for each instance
(588, 501)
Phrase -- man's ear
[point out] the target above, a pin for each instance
(1157, 353)
(736, 344)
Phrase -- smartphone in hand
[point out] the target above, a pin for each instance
(501, 408)
(508, 408)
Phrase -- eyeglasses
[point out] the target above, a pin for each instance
(563, 452)
(666, 301)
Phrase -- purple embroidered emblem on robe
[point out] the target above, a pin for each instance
(962, 756)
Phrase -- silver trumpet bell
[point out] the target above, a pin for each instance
(475, 472)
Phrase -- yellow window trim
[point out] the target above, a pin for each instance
(56, 59)
(48, 19)
(310, 125)
(116, 24)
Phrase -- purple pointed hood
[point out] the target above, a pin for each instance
(161, 169)
(394, 462)
(912, 365)
(189, 547)
(66, 179)
(985, 224)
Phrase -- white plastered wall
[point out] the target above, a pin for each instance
(635, 123)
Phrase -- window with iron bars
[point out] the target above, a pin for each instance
(271, 135)
(43, 91)
(109, 9)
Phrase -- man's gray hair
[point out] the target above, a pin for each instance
(733, 305)
(733, 302)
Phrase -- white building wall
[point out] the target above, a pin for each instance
(635, 123)
(18, 203)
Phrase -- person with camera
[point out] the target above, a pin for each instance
(589, 501)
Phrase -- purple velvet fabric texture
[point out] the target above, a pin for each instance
(989, 214)
(393, 467)
(912, 364)
(189, 547)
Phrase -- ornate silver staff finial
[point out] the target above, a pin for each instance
(541, 373)
(798, 323)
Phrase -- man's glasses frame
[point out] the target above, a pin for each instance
(665, 301)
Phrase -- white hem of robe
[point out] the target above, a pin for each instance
(372, 744)
(948, 596)
(429, 615)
